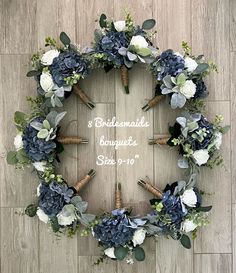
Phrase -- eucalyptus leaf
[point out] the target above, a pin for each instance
(181, 79)
(201, 68)
(85, 219)
(144, 51)
(59, 117)
(177, 100)
(204, 209)
(57, 101)
(185, 241)
(121, 252)
(225, 129)
(22, 157)
(122, 51)
(139, 254)
(97, 35)
(148, 24)
(64, 38)
(102, 21)
(167, 81)
(60, 92)
(11, 158)
(43, 133)
(20, 118)
(33, 73)
(36, 125)
(31, 210)
(131, 56)
(183, 163)
(180, 187)
(192, 181)
(46, 124)
(182, 121)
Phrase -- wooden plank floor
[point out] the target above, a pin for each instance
(210, 28)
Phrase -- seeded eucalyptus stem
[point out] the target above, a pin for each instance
(118, 200)
(85, 99)
(151, 188)
(152, 102)
(72, 140)
(124, 74)
(160, 140)
(82, 182)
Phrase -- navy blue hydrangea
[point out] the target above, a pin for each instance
(168, 63)
(172, 213)
(37, 149)
(201, 89)
(53, 197)
(109, 46)
(114, 231)
(65, 65)
(195, 143)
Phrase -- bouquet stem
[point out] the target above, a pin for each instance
(118, 200)
(160, 141)
(72, 140)
(85, 99)
(125, 78)
(152, 102)
(81, 183)
(151, 188)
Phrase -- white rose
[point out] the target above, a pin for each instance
(188, 89)
(119, 25)
(46, 81)
(189, 198)
(38, 189)
(110, 252)
(18, 143)
(178, 54)
(42, 215)
(139, 236)
(40, 166)
(190, 64)
(218, 140)
(48, 56)
(139, 41)
(188, 226)
(64, 220)
(201, 156)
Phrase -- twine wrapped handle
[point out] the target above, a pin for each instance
(151, 188)
(125, 78)
(118, 200)
(85, 99)
(81, 183)
(152, 102)
(160, 140)
(71, 140)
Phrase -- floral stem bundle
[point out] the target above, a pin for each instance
(151, 188)
(84, 98)
(72, 140)
(82, 182)
(125, 78)
(118, 199)
(152, 102)
(160, 141)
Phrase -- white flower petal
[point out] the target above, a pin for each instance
(18, 143)
(139, 41)
(48, 56)
(46, 81)
(201, 156)
(119, 25)
(188, 89)
(139, 236)
(189, 198)
(42, 215)
(188, 226)
(110, 252)
(190, 64)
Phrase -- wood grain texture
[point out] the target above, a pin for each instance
(19, 242)
(217, 263)
(234, 237)
(210, 36)
(173, 23)
(233, 122)
(232, 25)
(216, 184)
(13, 192)
(86, 264)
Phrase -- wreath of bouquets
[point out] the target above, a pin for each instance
(198, 140)
(121, 44)
(177, 212)
(180, 77)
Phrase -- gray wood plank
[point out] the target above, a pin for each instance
(232, 25)
(212, 263)
(233, 122)
(173, 23)
(17, 186)
(99, 192)
(216, 184)
(57, 253)
(210, 36)
(234, 237)
(19, 242)
(86, 264)
(18, 26)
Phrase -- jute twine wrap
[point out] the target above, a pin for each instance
(151, 188)
(160, 140)
(124, 77)
(85, 99)
(81, 183)
(155, 100)
(118, 200)
(71, 140)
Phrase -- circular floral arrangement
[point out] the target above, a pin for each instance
(174, 212)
